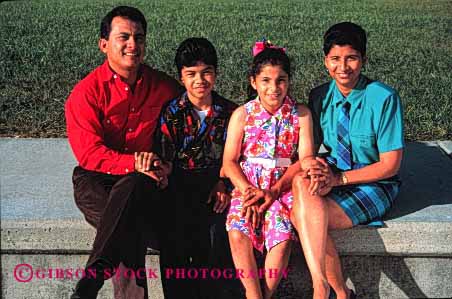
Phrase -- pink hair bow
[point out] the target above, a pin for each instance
(263, 44)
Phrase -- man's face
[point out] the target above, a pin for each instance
(125, 46)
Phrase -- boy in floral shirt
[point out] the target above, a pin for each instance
(190, 140)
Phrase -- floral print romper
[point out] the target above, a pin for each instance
(266, 136)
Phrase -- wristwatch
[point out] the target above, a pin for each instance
(343, 179)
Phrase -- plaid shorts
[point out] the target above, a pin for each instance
(365, 203)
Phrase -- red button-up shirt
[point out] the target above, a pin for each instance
(107, 122)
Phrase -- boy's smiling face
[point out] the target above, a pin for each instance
(199, 81)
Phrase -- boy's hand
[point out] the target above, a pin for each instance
(220, 196)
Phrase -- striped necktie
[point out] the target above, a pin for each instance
(344, 159)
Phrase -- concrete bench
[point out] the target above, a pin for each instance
(409, 257)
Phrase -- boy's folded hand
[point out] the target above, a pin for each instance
(220, 196)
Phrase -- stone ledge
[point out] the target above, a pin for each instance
(409, 257)
(395, 238)
(43, 217)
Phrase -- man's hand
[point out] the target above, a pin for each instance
(146, 161)
(220, 196)
(150, 164)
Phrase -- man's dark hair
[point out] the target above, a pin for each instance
(345, 33)
(126, 12)
(194, 50)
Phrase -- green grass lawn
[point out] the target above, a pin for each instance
(47, 46)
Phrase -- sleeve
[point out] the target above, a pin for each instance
(167, 87)
(85, 134)
(164, 143)
(390, 128)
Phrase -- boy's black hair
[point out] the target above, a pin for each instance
(345, 33)
(269, 56)
(126, 12)
(194, 50)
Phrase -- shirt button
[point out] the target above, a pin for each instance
(108, 172)
(115, 76)
(127, 170)
(126, 88)
(132, 109)
(108, 121)
(130, 130)
(126, 149)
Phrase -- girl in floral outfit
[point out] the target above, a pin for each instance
(262, 142)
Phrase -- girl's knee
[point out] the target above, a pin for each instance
(300, 183)
(236, 237)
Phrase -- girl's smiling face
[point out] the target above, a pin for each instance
(272, 85)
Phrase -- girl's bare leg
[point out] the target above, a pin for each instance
(243, 256)
(310, 218)
(337, 220)
(276, 260)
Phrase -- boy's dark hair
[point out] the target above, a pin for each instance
(194, 50)
(269, 56)
(345, 33)
(126, 12)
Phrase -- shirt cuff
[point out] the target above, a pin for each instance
(126, 164)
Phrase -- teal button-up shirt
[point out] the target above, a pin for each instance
(376, 119)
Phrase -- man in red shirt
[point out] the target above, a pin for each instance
(111, 116)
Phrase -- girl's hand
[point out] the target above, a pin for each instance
(250, 207)
(220, 196)
(261, 198)
(252, 196)
(320, 174)
(269, 197)
(252, 215)
(324, 190)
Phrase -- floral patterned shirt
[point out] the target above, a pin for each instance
(188, 142)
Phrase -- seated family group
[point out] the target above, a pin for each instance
(173, 165)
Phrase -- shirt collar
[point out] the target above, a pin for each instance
(215, 108)
(107, 73)
(282, 113)
(355, 96)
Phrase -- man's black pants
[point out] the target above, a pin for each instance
(123, 209)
